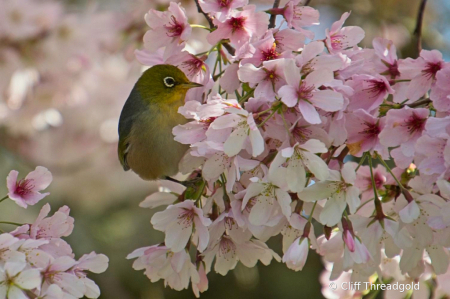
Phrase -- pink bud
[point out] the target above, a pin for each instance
(348, 239)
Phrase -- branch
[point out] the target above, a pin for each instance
(227, 46)
(307, 2)
(207, 17)
(273, 17)
(419, 103)
(418, 30)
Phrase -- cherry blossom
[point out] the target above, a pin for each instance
(340, 38)
(177, 221)
(240, 26)
(168, 29)
(305, 93)
(26, 191)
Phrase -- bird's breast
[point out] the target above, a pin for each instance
(153, 151)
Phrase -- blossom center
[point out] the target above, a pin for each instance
(186, 218)
(371, 130)
(174, 28)
(415, 124)
(431, 69)
(301, 134)
(24, 187)
(336, 41)
(224, 3)
(193, 66)
(376, 87)
(271, 75)
(270, 54)
(304, 92)
(226, 247)
(393, 70)
(236, 23)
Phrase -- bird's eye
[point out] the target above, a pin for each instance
(169, 81)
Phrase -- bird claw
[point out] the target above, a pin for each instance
(191, 182)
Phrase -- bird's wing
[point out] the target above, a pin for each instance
(133, 107)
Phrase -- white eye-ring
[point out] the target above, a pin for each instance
(169, 81)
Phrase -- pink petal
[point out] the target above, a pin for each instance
(328, 100)
(288, 95)
(41, 178)
(11, 181)
(309, 112)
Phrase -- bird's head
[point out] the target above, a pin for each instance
(164, 83)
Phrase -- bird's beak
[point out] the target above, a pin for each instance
(190, 85)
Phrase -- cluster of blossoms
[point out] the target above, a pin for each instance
(273, 133)
(35, 262)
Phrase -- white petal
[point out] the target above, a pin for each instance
(316, 165)
(235, 142)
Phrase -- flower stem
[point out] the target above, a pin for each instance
(285, 124)
(269, 117)
(199, 192)
(4, 198)
(247, 96)
(12, 223)
(389, 170)
(200, 26)
(379, 209)
(312, 212)
(361, 161)
(405, 192)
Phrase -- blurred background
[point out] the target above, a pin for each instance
(66, 69)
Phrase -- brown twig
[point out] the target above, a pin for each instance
(227, 46)
(418, 30)
(273, 17)
(307, 2)
(207, 17)
(419, 103)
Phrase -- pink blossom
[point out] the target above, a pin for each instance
(227, 253)
(339, 38)
(240, 26)
(178, 220)
(288, 40)
(386, 51)
(422, 72)
(168, 29)
(363, 130)
(57, 226)
(403, 127)
(349, 241)
(159, 262)
(221, 8)
(433, 149)
(265, 50)
(440, 94)
(202, 285)
(268, 79)
(369, 92)
(296, 255)
(26, 191)
(305, 93)
(299, 16)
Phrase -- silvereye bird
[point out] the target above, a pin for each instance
(146, 142)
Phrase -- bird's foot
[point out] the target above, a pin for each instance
(192, 181)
